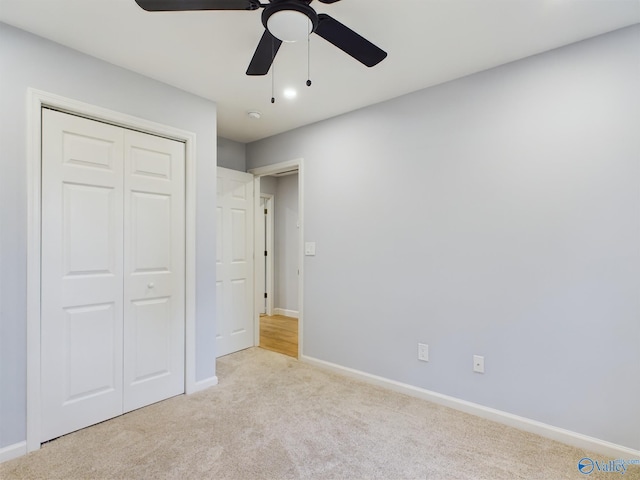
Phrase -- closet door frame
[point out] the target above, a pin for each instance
(37, 100)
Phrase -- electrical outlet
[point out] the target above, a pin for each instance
(310, 248)
(478, 363)
(423, 352)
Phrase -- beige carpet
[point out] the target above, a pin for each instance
(272, 417)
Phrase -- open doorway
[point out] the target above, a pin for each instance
(278, 269)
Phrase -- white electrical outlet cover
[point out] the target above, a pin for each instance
(478, 363)
(310, 248)
(423, 352)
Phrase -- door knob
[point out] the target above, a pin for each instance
(150, 285)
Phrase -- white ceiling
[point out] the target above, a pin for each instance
(207, 53)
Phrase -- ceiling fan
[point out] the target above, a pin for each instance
(284, 21)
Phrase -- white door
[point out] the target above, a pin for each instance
(234, 261)
(82, 281)
(154, 269)
(87, 321)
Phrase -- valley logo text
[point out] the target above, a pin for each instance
(587, 466)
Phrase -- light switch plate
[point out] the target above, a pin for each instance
(310, 248)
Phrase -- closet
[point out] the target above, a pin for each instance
(112, 269)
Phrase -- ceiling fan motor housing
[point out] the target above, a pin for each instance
(282, 9)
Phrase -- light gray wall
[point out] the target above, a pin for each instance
(497, 215)
(268, 185)
(232, 154)
(30, 61)
(286, 243)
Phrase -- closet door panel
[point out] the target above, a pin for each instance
(82, 274)
(154, 269)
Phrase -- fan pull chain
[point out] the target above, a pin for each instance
(309, 56)
(273, 72)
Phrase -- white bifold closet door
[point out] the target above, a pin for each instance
(112, 293)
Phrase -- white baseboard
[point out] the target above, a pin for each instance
(522, 423)
(285, 312)
(203, 385)
(13, 451)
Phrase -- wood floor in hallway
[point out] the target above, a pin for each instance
(279, 334)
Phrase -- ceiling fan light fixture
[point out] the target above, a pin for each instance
(289, 20)
(289, 25)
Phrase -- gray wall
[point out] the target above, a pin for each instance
(232, 154)
(286, 243)
(30, 61)
(268, 185)
(497, 215)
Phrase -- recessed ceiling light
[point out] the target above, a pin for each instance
(290, 93)
(254, 115)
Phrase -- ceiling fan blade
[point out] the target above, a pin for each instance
(264, 54)
(183, 5)
(349, 41)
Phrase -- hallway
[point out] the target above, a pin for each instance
(279, 334)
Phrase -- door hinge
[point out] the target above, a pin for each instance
(265, 294)
(265, 211)
(265, 253)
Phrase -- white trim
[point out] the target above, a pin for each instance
(270, 247)
(36, 100)
(190, 384)
(204, 384)
(257, 296)
(544, 430)
(272, 170)
(285, 312)
(13, 451)
(301, 256)
(34, 138)
(277, 168)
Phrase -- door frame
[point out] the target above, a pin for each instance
(36, 101)
(268, 274)
(272, 170)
